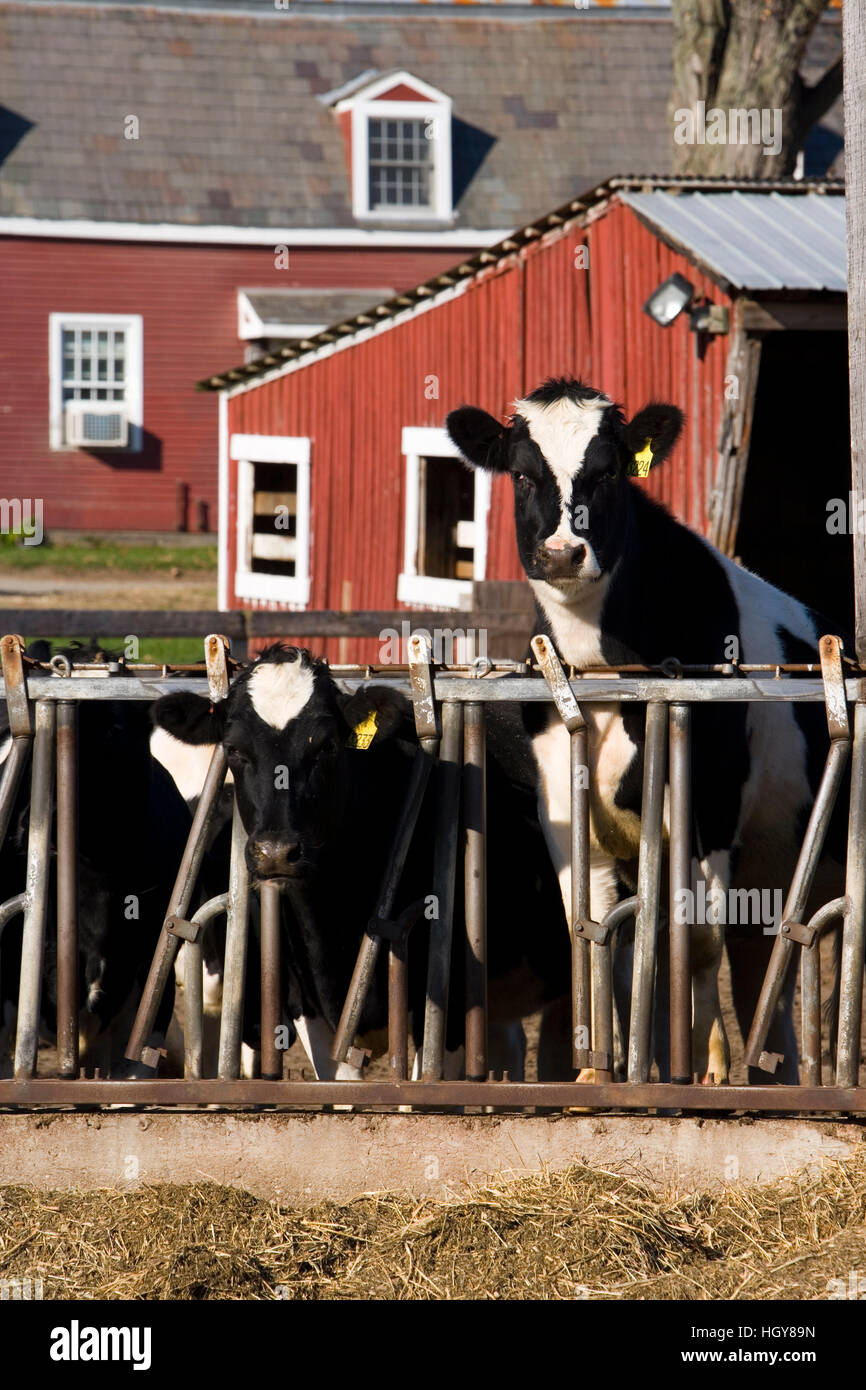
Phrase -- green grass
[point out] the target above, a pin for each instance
(173, 650)
(95, 553)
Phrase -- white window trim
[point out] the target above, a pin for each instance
(423, 589)
(248, 450)
(133, 325)
(434, 106)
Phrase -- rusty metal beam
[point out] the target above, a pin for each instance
(433, 1094)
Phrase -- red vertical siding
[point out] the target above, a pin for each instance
(544, 312)
(187, 296)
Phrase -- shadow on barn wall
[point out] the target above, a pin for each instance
(147, 459)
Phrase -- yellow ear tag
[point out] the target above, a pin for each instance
(642, 462)
(364, 733)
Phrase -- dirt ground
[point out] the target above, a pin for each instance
(53, 588)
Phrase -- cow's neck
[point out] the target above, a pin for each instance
(574, 626)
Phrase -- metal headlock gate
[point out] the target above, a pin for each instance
(449, 706)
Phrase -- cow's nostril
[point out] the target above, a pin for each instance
(273, 854)
(578, 554)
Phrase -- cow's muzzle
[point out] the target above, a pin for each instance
(274, 856)
(559, 560)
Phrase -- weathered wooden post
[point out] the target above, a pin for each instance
(854, 928)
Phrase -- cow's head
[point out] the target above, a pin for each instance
(289, 735)
(569, 452)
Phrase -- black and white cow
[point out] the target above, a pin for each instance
(132, 826)
(320, 809)
(617, 580)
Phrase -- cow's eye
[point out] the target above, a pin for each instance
(612, 470)
(235, 755)
(523, 483)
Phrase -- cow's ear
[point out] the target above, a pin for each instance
(375, 714)
(482, 440)
(650, 436)
(189, 717)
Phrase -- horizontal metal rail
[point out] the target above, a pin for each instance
(494, 687)
(560, 1095)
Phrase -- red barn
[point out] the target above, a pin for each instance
(182, 182)
(342, 491)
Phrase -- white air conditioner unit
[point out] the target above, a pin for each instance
(97, 424)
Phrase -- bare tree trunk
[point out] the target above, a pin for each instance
(744, 56)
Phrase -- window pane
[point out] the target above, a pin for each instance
(400, 161)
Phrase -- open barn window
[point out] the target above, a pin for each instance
(273, 533)
(447, 503)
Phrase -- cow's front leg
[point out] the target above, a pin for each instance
(711, 1054)
(317, 1039)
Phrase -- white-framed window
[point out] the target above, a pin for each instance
(273, 517)
(95, 358)
(447, 505)
(401, 151)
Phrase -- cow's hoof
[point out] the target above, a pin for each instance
(587, 1076)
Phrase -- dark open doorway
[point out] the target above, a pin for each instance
(799, 460)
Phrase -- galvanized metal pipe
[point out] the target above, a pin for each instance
(368, 953)
(13, 772)
(581, 982)
(475, 879)
(648, 885)
(67, 890)
(398, 1011)
(520, 689)
(36, 911)
(854, 926)
(582, 963)
(601, 963)
(11, 908)
(795, 905)
(444, 874)
(168, 944)
(810, 993)
(680, 783)
(235, 965)
(272, 1057)
(193, 989)
(20, 727)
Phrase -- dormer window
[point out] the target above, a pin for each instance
(398, 133)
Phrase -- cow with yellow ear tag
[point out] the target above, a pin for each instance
(618, 581)
(320, 777)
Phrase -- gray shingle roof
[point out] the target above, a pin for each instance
(230, 132)
(312, 306)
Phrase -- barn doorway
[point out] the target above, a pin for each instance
(799, 460)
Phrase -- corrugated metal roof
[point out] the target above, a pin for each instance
(754, 241)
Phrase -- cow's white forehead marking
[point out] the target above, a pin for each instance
(279, 690)
(562, 431)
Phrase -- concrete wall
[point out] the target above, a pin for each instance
(302, 1158)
